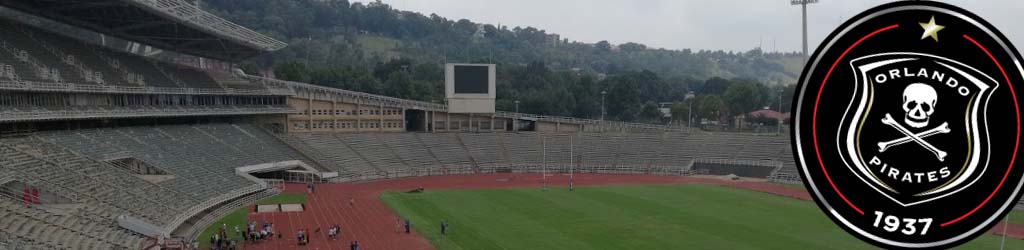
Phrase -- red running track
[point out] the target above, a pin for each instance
(372, 222)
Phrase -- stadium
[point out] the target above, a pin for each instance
(108, 148)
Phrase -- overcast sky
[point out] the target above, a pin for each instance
(697, 24)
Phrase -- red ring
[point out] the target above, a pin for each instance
(814, 118)
(1015, 146)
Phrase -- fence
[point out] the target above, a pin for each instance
(193, 232)
(744, 168)
(209, 203)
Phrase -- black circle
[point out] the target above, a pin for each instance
(849, 102)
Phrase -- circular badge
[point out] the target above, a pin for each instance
(907, 125)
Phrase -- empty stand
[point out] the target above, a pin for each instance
(448, 149)
(484, 148)
(41, 56)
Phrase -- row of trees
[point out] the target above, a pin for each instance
(338, 33)
(629, 96)
(377, 49)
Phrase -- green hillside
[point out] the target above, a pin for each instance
(372, 47)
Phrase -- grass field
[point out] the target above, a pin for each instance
(285, 199)
(628, 217)
(238, 216)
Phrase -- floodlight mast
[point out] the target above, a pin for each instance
(803, 4)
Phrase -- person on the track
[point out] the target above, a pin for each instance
(407, 224)
(354, 245)
(398, 224)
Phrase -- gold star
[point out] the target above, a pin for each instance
(931, 29)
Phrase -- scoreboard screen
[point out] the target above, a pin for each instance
(472, 79)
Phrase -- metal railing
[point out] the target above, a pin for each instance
(15, 242)
(193, 232)
(574, 120)
(193, 16)
(358, 96)
(515, 168)
(33, 114)
(740, 162)
(413, 104)
(26, 85)
(209, 203)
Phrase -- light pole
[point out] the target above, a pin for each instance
(804, 3)
(689, 111)
(603, 93)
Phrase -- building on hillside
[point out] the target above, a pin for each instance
(552, 39)
(764, 119)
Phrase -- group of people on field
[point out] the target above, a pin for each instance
(257, 232)
(221, 241)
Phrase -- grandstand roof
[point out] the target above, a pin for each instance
(167, 24)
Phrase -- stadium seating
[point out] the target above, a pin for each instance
(677, 150)
(344, 159)
(373, 150)
(408, 147)
(42, 56)
(523, 148)
(426, 151)
(484, 148)
(202, 157)
(448, 149)
(73, 166)
(91, 225)
(788, 172)
(638, 150)
(558, 148)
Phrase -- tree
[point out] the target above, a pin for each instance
(383, 70)
(711, 107)
(744, 97)
(650, 112)
(632, 47)
(400, 84)
(715, 86)
(623, 100)
(680, 111)
(360, 45)
(603, 45)
(292, 71)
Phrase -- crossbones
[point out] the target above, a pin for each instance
(918, 138)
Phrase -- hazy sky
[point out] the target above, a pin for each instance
(697, 24)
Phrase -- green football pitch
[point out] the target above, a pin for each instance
(628, 217)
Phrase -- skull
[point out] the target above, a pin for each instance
(919, 104)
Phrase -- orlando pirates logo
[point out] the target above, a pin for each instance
(913, 129)
(907, 125)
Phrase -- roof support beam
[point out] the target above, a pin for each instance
(140, 26)
(83, 5)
